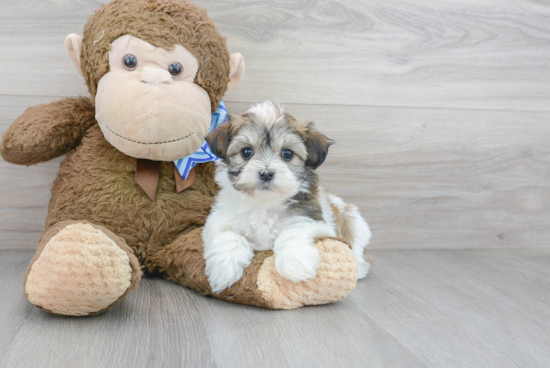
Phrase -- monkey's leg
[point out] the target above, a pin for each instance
(182, 261)
(80, 269)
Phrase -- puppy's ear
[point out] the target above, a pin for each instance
(219, 139)
(317, 145)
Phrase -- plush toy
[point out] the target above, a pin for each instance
(156, 71)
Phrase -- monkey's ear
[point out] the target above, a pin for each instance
(317, 145)
(219, 139)
(73, 46)
(236, 73)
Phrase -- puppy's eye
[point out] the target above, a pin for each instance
(287, 154)
(175, 69)
(247, 153)
(129, 61)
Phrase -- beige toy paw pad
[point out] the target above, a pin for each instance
(336, 278)
(80, 271)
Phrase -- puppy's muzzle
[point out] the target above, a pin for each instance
(266, 176)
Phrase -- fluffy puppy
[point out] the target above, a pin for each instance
(270, 199)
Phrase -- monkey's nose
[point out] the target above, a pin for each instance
(155, 76)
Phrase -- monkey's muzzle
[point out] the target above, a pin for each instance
(145, 114)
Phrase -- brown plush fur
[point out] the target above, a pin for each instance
(96, 183)
(46, 131)
(162, 23)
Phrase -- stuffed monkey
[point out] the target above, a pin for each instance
(156, 71)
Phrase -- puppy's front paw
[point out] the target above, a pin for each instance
(362, 267)
(297, 263)
(222, 279)
(226, 260)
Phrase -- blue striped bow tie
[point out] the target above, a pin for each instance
(203, 154)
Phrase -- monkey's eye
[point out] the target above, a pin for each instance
(175, 69)
(247, 153)
(287, 154)
(129, 61)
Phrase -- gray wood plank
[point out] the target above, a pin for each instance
(423, 178)
(487, 54)
(464, 308)
(162, 324)
(456, 308)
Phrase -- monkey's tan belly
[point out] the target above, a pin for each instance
(96, 183)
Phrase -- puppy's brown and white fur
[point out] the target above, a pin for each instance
(270, 199)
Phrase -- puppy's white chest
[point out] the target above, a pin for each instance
(261, 226)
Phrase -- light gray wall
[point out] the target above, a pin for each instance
(441, 110)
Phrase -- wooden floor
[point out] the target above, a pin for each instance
(441, 113)
(460, 308)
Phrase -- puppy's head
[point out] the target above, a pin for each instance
(268, 154)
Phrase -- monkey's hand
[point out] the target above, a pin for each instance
(46, 131)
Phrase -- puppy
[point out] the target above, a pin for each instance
(270, 199)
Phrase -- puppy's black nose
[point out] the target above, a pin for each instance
(267, 175)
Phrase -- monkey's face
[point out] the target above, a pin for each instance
(148, 105)
(156, 70)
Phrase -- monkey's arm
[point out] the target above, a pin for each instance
(261, 285)
(46, 131)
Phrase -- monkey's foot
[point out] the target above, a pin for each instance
(80, 269)
(336, 278)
